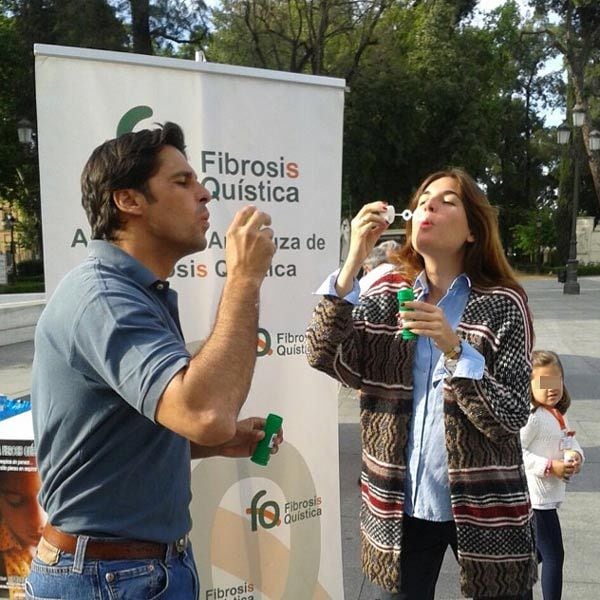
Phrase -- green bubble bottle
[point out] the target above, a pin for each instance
(263, 449)
(406, 295)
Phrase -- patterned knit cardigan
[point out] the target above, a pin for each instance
(363, 348)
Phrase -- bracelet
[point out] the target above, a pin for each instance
(548, 469)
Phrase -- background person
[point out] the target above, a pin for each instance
(21, 523)
(377, 264)
(544, 440)
(440, 415)
(119, 405)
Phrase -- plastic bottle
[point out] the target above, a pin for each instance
(263, 449)
(406, 295)
(568, 452)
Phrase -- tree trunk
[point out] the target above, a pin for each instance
(140, 26)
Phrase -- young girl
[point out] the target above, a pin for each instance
(547, 442)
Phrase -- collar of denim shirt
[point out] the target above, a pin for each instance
(421, 285)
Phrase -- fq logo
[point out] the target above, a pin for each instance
(286, 343)
(267, 514)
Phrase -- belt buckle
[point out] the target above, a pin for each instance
(181, 544)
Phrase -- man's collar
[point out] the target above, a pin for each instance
(112, 254)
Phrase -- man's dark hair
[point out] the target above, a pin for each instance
(124, 162)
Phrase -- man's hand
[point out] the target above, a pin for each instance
(250, 245)
(247, 435)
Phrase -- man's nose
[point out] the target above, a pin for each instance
(202, 193)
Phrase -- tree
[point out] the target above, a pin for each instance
(23, 23)
(322, 37)
(577, 37)
(536, 233)
(165, 26)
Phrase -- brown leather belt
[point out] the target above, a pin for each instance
(109, 549)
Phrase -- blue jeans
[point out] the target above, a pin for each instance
(65, 576)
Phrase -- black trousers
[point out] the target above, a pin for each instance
(550, 552)
(424, 544)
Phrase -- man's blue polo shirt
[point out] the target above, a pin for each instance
(106, 346)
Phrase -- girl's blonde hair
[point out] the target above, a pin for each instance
(547, 358)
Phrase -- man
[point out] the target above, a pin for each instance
(119, 405)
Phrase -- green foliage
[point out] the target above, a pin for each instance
(588, 269)
(320, 37)
(437, 92)
(31, 269)
(538, 231)
(429, 88)
(26, 285)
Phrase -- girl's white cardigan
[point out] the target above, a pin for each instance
(540, 439)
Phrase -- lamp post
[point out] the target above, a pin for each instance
(538, 231)
(10, 221)
(571, 285)
(28, 139)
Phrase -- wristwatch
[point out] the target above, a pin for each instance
(451, 357)
(454, 352)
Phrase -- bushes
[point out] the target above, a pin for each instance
(29, 285)
(30, 268)
(589, 269)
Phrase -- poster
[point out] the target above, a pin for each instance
(21, 517)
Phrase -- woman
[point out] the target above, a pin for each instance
(440, 415)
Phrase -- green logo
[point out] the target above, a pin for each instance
(132, 117)
(263, 343)
(266, 515)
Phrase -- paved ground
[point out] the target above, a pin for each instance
(570, 325)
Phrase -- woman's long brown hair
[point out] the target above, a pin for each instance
(484, 262)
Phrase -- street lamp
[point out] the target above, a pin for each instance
(571, 285)
(594, 140)
(25, 132)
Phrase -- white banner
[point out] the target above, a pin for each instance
(253, 136)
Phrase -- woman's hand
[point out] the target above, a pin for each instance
(428, 320)
(365, 229)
